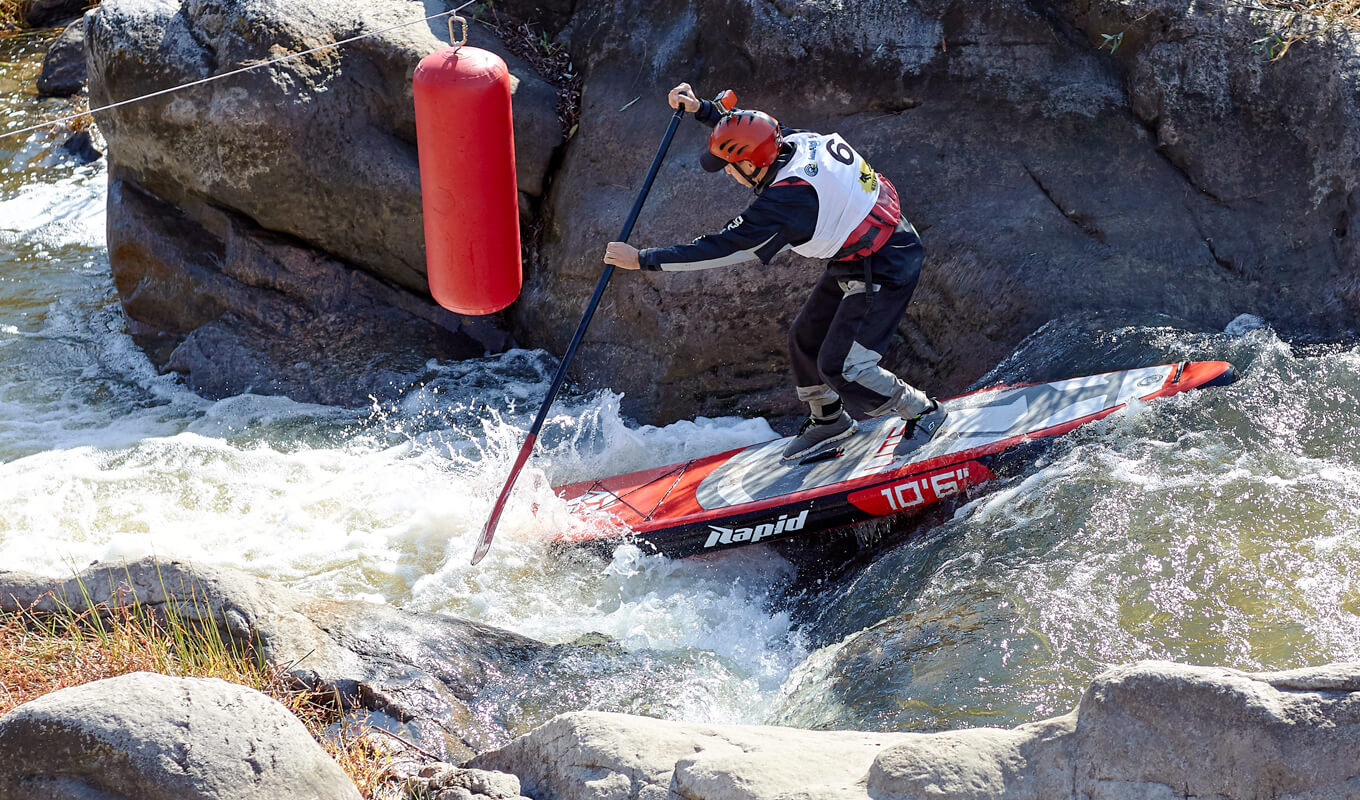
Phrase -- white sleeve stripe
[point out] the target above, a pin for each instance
(739, 257)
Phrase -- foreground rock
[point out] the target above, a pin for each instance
(452, 783)
(151, 737)
(455, 687)
(1151, 730)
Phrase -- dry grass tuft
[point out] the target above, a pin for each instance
(548, 58)
(1342, 11)
(12, 14)
(44, 652)
(1285, 14)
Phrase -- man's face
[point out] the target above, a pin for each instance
(736, 172)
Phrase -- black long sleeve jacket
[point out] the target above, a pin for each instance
(782, 216)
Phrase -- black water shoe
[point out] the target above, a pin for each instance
(816, 435)
(928, 421)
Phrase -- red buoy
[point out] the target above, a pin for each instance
(466, 144)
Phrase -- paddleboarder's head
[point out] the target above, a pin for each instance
(744, 143)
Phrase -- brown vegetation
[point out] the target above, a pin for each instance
(1287, 14)
(548, 58)
(41, 653)
(12, 14)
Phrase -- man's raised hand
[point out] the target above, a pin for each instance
(683, 95)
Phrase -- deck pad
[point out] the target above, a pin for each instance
(707, 503)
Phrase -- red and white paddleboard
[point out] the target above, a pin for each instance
(751, 495)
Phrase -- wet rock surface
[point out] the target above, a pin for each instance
(1152, 729)
(454, 687)
(236, 308)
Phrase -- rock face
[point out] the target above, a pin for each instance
(265, 231)
(1047, 176)
(618, 757)
(1150, 730)
(1058, 157)
(157, 738)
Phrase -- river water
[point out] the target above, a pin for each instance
(1220, 527)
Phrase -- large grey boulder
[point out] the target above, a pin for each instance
(152, 737)
(1149, 730)
(236, 308)
(307, 167)
(619, 757)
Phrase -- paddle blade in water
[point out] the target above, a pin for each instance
(489, 532)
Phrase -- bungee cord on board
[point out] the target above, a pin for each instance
(237, 71)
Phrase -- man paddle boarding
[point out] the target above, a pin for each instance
(816, 196)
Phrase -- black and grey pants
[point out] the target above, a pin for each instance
(838, 339)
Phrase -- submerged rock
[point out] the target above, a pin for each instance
(81, 145)
(1153, 729)
(236, 308)
(152, 737)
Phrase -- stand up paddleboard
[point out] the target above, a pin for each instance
(752, 495)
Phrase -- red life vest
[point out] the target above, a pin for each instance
(877, 227)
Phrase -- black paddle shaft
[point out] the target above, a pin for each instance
(490, 530)
(608, 272)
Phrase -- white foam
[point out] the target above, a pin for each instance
(324, 501)
(1243, 324)
(69, 211)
